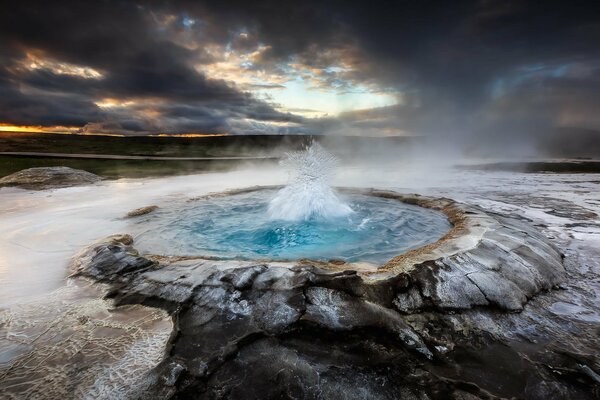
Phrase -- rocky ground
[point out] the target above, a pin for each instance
(242, 330)
(48, 178)
(430, 324)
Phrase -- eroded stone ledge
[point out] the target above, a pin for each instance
(41, 178)
(484, 260)
(229, 312)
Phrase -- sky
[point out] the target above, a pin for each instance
(486, 69)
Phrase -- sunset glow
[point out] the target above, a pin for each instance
(62, 130)
(37, 129)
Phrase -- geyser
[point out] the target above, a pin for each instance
(305, 219)
(308, 196)
(240, 226)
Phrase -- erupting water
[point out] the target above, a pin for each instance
(239, 226)
(305, 219)
(308, 195)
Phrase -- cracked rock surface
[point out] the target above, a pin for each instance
(49, 178)
(443, 321)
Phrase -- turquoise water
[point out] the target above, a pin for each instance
(238, 226)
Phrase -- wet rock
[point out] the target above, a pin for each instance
(111, 259)
(339, 311)
(431, 325)
(49, 178)
(410, 301)
(141, 211)
(485, 260)
(172, 372)
(589, 373)
(503, 293)
(546, 390)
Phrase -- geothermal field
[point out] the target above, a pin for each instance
(315, 200)
(308, 278)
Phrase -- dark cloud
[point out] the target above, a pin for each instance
(124, 43)
(449, 58)
(21, 108)
(468, 69)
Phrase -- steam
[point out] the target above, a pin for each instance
(308, 195)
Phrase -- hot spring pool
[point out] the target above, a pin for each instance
(239, 226)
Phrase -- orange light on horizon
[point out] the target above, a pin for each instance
(75, 130)
(38, 128)
(186, 134)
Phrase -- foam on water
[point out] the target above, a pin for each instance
(308, 195)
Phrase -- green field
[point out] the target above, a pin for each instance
(346, 148)
(212, 146)
(218, 146)
(114, 169)
(148, 146)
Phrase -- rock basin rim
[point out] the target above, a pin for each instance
(484, 259)
(468, 225)
(233, 317)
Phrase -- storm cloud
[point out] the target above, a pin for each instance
(466, 70)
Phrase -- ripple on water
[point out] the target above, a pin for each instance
(238, 226)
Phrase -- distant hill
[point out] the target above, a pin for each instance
(173, 146)
(146, 145)
(572, 143)
(562, 143)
